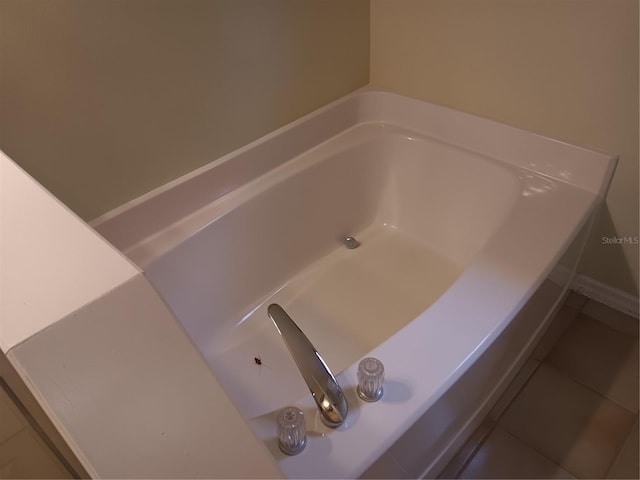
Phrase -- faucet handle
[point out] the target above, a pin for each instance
(370, 379)
(292, 436)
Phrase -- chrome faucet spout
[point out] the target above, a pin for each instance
(321, 382)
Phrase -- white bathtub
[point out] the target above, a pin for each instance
(465, 227)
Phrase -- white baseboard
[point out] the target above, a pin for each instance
(613, 297)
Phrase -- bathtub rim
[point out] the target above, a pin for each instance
(149, 214)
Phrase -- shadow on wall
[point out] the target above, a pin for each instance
(604, 254)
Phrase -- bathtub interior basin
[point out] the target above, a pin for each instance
(413, 203)
(461, 220)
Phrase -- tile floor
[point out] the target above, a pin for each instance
(23, 452)
(572, 410)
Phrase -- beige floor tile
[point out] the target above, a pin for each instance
(626, 464)
(568, 423)
(560, 323)
(23, 453)
(576, 300)
(611, 317)
(26, 456)
(11, 420)
(468, 450)
(5, 471)
(519, 381)
(600, 358)
(504, 456)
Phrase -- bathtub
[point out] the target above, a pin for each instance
(470, 232)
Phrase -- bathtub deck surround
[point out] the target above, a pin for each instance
(88, 345)
(443, 205)
(37, 291)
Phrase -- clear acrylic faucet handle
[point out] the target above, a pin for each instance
(370, 379)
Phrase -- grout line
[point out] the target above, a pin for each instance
(597, 393)
(612, 297)
(467, 451)
(619, 452)
(522, 387)
(524, 442)
(489, 426)
(575, 292)
(569, 377)
(15, 435)
(38, 430)
(562, 467)
(610, 324)
(565, 374)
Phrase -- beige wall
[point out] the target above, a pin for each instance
(564, 68)
(103, 100)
